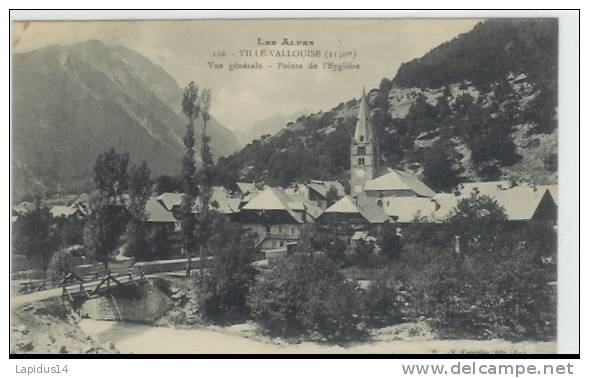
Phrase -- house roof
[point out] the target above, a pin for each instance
(322, 187)
(169, 200)
(23, 207)
(156, 212)
(553, 190)
(226, 203)
(268, 199)
(365, 208)
(62, 211)
(399, 180)
(246, 187)
(519, 202)
(276, 199)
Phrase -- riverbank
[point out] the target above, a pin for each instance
(48, 327)
(243, 338)
(161, 317)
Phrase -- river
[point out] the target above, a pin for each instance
(138, 338)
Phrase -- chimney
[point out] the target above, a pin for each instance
(457, 244)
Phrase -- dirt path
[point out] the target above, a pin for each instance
(135, 338)
(18, 301)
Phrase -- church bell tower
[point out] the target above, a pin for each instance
(364, 153)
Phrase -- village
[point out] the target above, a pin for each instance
(418, 215)
(379, 195)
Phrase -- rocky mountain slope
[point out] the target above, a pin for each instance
(479, 107)
(266, 127)
(70, 103)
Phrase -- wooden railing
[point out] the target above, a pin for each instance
(75, 286)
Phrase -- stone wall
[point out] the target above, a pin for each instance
(141, 304)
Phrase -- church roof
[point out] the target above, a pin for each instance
(406, 209)
(399, 180)
(363, 126)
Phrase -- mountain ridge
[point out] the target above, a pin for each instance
(442, 125)
(72, 102)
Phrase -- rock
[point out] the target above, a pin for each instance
(75, 317)
(25, 346)
(109, 346)
(178, 295)
(63, 349)
(21, 328)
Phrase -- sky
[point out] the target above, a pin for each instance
(184, 49)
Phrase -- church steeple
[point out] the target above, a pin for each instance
(363, 125)
(364, 151)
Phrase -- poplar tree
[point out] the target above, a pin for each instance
(205, 179)
(191, 109)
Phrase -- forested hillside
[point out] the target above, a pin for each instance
(479, 107)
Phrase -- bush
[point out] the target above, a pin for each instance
(499, 286)
(383, 301)
(500, 293)
(306, 295)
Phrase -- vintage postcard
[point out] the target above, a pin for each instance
(288, 186)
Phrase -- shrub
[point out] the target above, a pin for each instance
(306, 295)
(383, 301)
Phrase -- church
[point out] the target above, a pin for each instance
(368, 178)
(371, 184)
(382, 194)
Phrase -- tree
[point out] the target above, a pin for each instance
(139, 193)
(205, 174)
(168, 184)
(442, 107)
(139, 190)
(70, 230)
(421, 115)
(36, 237)
(390, 241)
(110, 174)
(332, 195)
(108, 221)
(441, 165)
(477, 219)
(230, 273)
(103, 230)
(503, 91)
(306, 294)
(191, 109)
